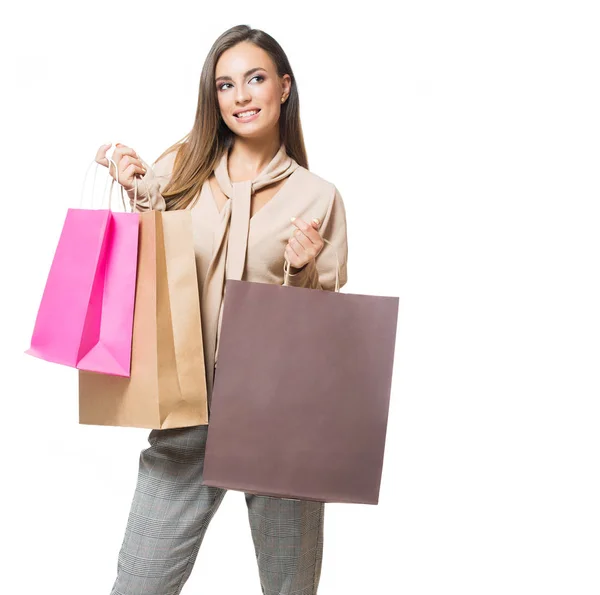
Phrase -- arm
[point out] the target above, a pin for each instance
(152, 183)
(320, 272)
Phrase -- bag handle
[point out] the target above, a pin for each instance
(135, 195)
(135, 192)
(94, 162)
(286, 268)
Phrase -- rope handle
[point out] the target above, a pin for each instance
(135, 191)
(286, 268)
(111, 162)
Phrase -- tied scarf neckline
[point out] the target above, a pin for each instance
(231, 242)
(238, 207)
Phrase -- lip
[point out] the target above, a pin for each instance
(245, 109)
(248, 118)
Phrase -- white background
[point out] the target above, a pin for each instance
(464, 138)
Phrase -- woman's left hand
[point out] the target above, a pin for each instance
(304, 244)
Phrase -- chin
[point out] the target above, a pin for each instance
(253, 132)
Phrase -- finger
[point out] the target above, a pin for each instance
(130, 171)
(127, 175)
(126, 150)
(292, 257)
(310, 250)
(134, 169)
(127, 161)
(137, 162)
(308, 230)
(305, 243)
(304, 254)
(311, 243)
(289, 253)
(295, 247)
(101, 154)
(121, 150)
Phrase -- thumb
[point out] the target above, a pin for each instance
(101, 154)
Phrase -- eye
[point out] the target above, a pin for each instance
(258, 76)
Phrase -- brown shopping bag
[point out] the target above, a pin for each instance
(301, 394)
(167, 387)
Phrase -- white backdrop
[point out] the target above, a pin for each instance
(464, 138)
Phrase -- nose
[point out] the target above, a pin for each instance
(242, 96)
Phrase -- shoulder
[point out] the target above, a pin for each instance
(317, 197)
(315, 186)
(164, 164)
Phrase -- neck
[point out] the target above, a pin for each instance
(249, 156)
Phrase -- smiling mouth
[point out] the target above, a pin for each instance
(253, 114)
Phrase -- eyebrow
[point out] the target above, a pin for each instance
(248, 72)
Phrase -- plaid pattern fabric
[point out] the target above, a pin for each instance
(170, 513)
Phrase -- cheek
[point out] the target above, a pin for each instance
(268, 96)
(223, 106)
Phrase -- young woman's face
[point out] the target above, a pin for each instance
(246, 79)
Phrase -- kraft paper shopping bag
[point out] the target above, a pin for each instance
(167, 386)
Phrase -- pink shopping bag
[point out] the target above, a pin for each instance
(85, 318)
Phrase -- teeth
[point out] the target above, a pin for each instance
(245, 114)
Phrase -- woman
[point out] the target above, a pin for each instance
(243, 173)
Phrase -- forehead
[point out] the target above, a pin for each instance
(237, 60)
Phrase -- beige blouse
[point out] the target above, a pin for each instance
(302, 194)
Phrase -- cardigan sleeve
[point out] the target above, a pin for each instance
(151, 184)
(320, 272)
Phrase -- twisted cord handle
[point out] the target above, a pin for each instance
(286, 268)
(111, 162)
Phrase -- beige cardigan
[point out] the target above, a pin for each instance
(303, 194)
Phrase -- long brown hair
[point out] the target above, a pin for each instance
(199, 151)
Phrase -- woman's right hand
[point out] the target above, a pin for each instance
(128, 164)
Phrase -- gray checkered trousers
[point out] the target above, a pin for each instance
(170, 513)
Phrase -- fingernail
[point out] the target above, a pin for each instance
(292, 219)
(316, 221)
